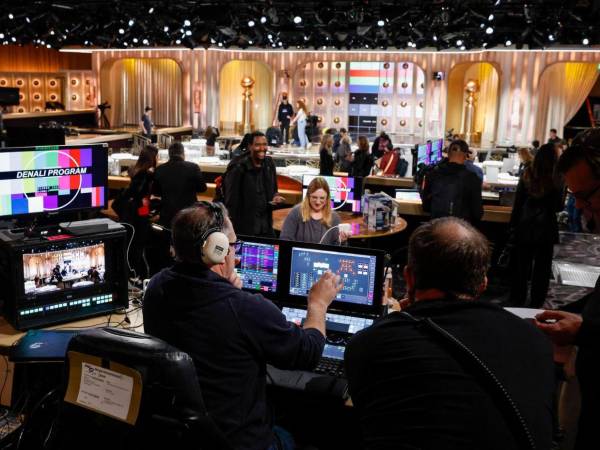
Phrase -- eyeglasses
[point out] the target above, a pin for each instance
(585, 196)
(237, 246)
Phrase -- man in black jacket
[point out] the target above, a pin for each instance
(176, 183)
(413, 388)
(284, 115)
(580, 165)
(450, 189)
(198, 307)
(250, 189)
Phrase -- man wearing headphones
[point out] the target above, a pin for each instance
(197, 306)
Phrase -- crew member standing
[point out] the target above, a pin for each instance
(146, 123)
(284, 115)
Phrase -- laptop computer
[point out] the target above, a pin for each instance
(42, 346)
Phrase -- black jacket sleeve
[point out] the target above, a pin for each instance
(476, 200)
(325, 163)
(425, 191)
(520, 199)
(234, 178)
(199, 183)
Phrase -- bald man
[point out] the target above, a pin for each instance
(413, 388)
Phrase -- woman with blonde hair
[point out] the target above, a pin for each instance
(313, 220)
(325, 156)
(300, 117)
(526, 159)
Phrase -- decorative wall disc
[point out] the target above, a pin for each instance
(20, 82)
(37, 97)
(386, 65)
(74, 81)
(74, 97)
(338, 65)
(320, 65)
(319, 101)
(384, 122)
(302, 83)
(384, 103)
(336, 102)
(52, 83)
(3, 82)
(36, 82)
(336, 120)
(421, 103)
(405, 66)
(386, 84)
(320, 83)
(404, 85)
(337, 83)
(403, 104)
(53, 97)
(420, 123)
(403, 123)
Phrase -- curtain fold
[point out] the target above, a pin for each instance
(230, 94)
(131, 84)
(563, 89)
(487, 105)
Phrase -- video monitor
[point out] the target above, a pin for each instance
(437, 145)
(345, 192)
(424, 154)
(357, 271)
(67, 268)
(53, 179)
(257, 264)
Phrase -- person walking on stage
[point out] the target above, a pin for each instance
(284, 116)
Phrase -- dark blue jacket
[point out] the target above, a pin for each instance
(231, 335)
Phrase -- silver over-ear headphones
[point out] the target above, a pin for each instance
(215, 244)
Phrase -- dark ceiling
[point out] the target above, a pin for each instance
(435, 24)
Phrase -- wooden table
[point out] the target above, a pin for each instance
(491, 213)
(359, 230)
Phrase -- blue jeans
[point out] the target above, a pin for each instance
(302, 133)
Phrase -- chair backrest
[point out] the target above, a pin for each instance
(128, 390)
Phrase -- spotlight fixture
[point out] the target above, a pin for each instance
(585, 41)
(131, 22)
(145, 42)
(188, 32)
(10, 16)
(491, 17)
(166, 29)
(462, 47)
(263, 19)
(186, 23)
(251, 23)
(459, 42)
(380, 23)
(121, 31)
(297, 19)
(508, 43)
(178, 41)
(551, 37)
(489, 30)
(435, 38)
(151, 10)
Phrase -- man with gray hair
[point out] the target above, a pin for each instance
(197, 306)
(420, 378)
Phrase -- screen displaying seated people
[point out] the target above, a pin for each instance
(257, 266)
(345, 192)
(424, 154)
(437, 145)
(69, 268)
(52, 179)
(356, 271)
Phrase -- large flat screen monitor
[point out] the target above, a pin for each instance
(424, 154)
(36, 180)
(437, 145)
(345, 192)
(357, 271)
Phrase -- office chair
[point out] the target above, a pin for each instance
(127, 390)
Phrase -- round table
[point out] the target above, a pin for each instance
(359, 229)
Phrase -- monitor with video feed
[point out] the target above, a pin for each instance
(345, 192)
(257, 264)
(424, 154)
(437, 145)
(358, 273)
(53, 179)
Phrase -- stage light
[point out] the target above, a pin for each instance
(297, 19)
(121, 31)
(220, 44)
(14, 39)
(52, 32)
(250, 42)
(380, 23)
(151, 10)
(10, 16)
(251, 23)
(212, 41)
(178, 42)
(186, 23)
(125, 44)
(491, 17)
(462, 47)
(145, 42)
(188, 32)
(434, 38)
(1, 35)
(508, 43)
(263, 19)
(135, 40)
(306, 38)
(27, 20)
(131, 22)
(551, 37)
(585, 41)
(48, 46)
(279, 43)
(459, 42)
(166, 29)
(489, 30)
(270, 36)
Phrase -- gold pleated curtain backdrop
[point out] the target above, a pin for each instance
(230, 94)
(131, 84)
(563, 89)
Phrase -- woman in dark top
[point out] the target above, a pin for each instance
(363, 160)
(534, 227)
(142, 176)
(211, 134)
(325, 156)
(380, 145)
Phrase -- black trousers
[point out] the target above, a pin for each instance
(285, 130)
(531, 262)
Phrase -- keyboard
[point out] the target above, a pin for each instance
(330, 366)
(576, 274)
(354, 324)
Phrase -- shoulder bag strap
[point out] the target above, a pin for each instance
(487, 378)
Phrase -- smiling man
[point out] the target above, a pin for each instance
(250, 189)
